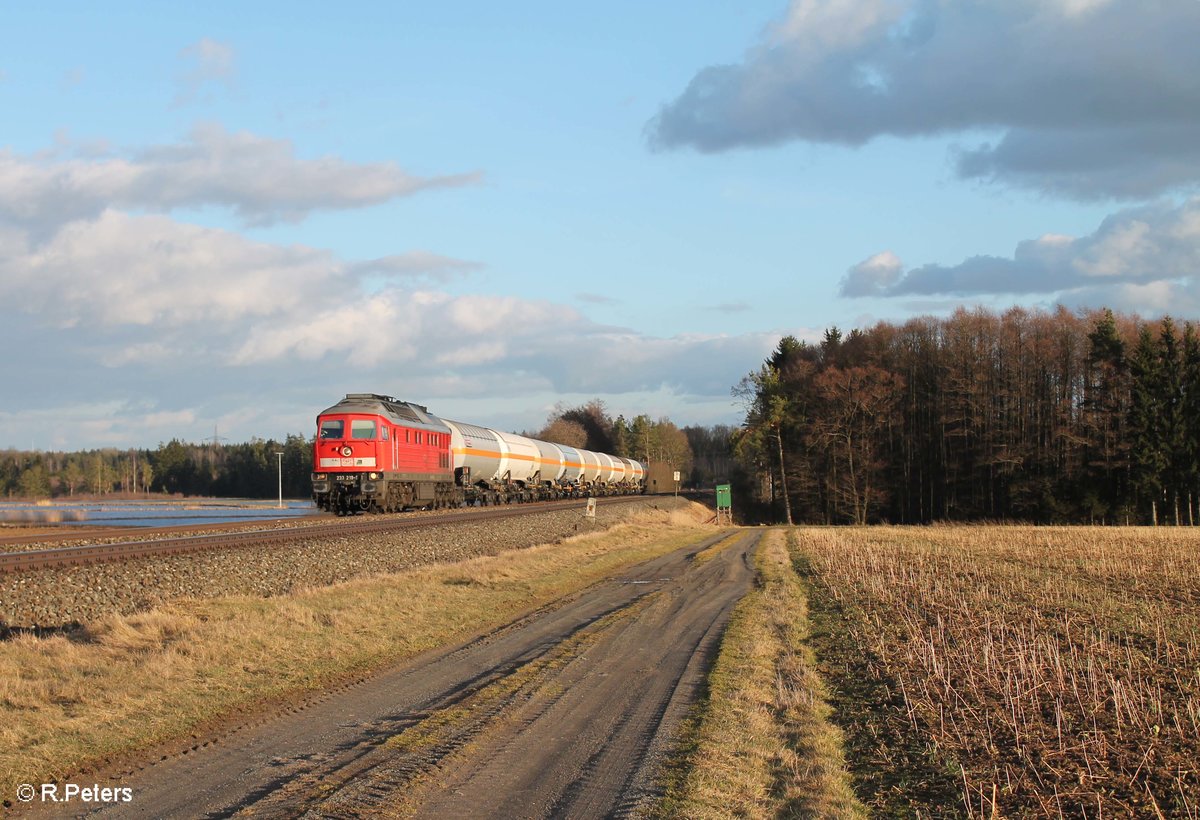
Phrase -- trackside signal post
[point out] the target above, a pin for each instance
(724, 505)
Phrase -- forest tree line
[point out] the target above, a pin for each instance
(250, 470)
(1026, 415)
(643, 439)
(703, 455)
(246, 470)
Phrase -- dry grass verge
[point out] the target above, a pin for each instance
(762, 744)
(135, 681)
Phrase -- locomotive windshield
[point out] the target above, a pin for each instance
(362, 428)
(332, 428)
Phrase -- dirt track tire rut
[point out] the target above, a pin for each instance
(566, 712)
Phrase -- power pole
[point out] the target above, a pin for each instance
(279, 458)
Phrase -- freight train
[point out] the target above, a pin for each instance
(376, 453)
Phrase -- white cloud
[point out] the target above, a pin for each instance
(141, 353)
(112, 297)
(412, 264)
(111, 423)
(598, 298)
(1094, 98)
(814, 29)
(1145, 258)
(209, 63)
(260, 178)
(153, 271)
(731, 307)
(873, 275)
(72, 254)
(246, 334)
(364, 330)
(433, 347)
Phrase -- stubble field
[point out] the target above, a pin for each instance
(1007, 671)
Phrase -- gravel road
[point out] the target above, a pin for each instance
(565, 713)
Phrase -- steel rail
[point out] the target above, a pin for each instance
(78, 556)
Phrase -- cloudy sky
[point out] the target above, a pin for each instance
(222, 217)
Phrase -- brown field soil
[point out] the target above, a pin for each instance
(1011, 671)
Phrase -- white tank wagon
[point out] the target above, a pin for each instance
(379, 453)
(608, 471)
(553, 462)
(524, 458)
(497, 466)
(572, 464)
(635, 471)
(591, 467)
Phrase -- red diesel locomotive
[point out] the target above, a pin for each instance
(377, 453)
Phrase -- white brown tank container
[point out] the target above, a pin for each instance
(627, 470)
(608, 468)
(618, 470)
(552, 461)
(591, 466)
(639, 471)
(492, 456)
(523, 461)
(478, 450)
(572, 464)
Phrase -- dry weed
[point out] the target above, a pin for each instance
(1059, 667)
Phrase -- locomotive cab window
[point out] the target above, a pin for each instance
(333, 428)
(362, 429)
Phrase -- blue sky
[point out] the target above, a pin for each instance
(228, 216)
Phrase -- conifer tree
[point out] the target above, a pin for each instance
(1191, 421)
(1170, 419)
(1105, 482)
(1148, 455)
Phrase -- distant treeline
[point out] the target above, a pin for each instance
(249, 470)
(1028, 415)
(703, 455)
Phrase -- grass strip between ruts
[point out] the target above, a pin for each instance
(761, 744)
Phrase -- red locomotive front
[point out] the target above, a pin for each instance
(377, 453)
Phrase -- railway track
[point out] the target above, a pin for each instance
(84, 555)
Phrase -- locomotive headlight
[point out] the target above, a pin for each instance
(373, 476)
(347, 451)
